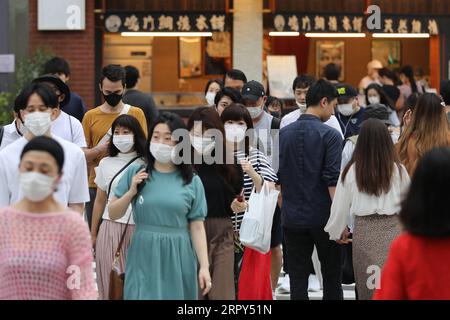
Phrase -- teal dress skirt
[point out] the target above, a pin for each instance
(161, 261)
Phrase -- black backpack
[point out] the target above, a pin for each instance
(275, 124)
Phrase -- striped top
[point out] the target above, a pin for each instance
(262, 166)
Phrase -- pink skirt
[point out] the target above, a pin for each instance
(105, 248)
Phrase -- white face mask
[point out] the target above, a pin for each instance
(124, 142)
(203, 145)
(301, 106)
(235, 132)
(374, 100)
(345, 109)
(38, 122)
(36, 186)
(255, 112)
(163, 153)
(210, 96)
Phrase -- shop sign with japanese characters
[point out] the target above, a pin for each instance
(167, 22)
(353, 23)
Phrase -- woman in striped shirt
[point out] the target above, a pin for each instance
(239, 134)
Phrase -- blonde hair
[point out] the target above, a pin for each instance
(429, 129)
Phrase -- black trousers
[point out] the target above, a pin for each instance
(285, 260)
(90, 205)
(300, 245)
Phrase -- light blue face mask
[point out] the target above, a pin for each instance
(255, 112)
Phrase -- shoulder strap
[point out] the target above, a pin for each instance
(126, 109)
(108, 135)
(117, 174)
(122, 238)
(2, 130)
(71, 129)
(275, 124)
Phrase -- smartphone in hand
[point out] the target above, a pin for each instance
(142, 184)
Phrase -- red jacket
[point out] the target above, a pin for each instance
(417, 268)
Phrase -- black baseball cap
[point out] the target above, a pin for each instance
(346, 91)
(55, 80)
(377, 111)
(253, 90)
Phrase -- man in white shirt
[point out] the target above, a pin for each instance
(64, 126)
(38, 112)
(300, 86)
(13, 131)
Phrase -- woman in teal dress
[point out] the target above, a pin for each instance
(169, 209)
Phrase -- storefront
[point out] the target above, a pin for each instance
(188, 42)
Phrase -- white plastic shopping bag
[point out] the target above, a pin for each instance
(256, 227)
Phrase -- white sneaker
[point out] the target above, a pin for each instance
(285, 286)
(274, 295)
(313, 283)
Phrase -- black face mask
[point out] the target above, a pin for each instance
(113, 99)
(276, 114)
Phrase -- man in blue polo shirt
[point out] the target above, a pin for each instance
(310, 159)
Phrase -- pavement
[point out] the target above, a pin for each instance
(349, 290)
(349, 293)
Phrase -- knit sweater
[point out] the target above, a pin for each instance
(45, 256)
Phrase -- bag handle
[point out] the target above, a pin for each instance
(119, 247)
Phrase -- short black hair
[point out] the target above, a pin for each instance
(57, 65)
(218, 81)
(271, 99)
(392, 92)
(332, 72)
(232, 93)
(131, 123)
(425, 210)
(20, 103)
(43, 90)
(319, 90)
(236, 74)
(303, 81)
(131, 76)
(114, 73)
(46, 144)
(388, 73)
(445, 91)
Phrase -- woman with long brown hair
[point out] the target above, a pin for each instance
(369, 189)
(428, 129)
(223, 182)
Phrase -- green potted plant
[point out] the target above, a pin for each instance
(26, 70)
